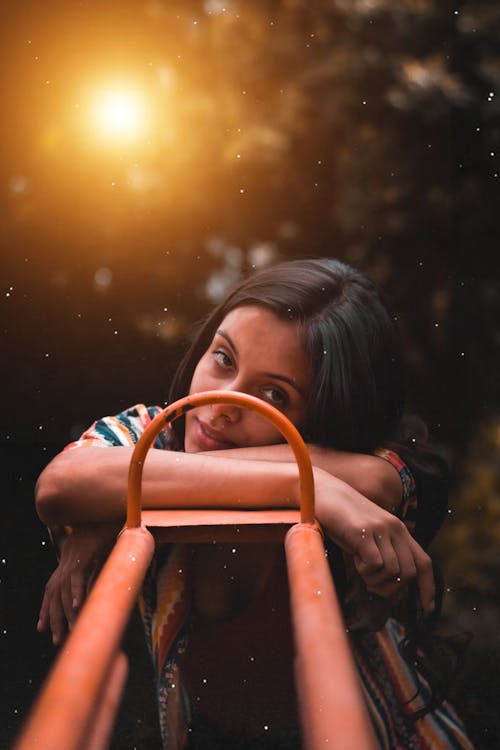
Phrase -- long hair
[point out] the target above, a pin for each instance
(356, 396)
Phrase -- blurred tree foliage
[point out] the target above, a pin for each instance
(364, 129)
(475, 525)
(468, 548)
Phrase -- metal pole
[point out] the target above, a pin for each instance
(332, 710)
(68, 705)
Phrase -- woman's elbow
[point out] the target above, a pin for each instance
(49, 495)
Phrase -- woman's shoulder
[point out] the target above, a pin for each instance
(124, 429)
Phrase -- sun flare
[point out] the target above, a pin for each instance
(120, 115)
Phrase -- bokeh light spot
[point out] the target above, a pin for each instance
(102, 279)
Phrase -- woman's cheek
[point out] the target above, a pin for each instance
(264, 432)
(204, 380)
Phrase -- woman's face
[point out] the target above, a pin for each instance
(254, 352)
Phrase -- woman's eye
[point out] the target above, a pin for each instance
(275, 396)
(222, 358)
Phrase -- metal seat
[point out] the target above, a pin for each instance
(199, 526)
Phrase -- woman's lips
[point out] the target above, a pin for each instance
(210, 439)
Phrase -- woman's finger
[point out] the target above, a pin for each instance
(67, 599)
(57, 618)
(398, 566)
(392, 557)
(425, 577)
(414, 564)
(378, 559)
(368, 558)
(78, 591)
(43, 617)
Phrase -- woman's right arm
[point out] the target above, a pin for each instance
(81, 556)
(89, 485)
(86, 488)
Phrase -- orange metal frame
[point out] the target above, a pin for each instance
(77, 705)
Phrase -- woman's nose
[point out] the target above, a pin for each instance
(222, 414)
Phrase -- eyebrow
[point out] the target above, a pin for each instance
(274, 375)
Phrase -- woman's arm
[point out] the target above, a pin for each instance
(82, 554)
(385, 554)
(88, 485)
(372, 476)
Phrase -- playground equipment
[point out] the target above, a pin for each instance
(77, 705)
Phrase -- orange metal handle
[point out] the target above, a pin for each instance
(234, 398)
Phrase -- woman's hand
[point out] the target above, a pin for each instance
(83, 553)
(384, 553)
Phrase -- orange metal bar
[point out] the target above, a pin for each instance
(331, 706)
(67, 707)
(103, 721)
(243, 400)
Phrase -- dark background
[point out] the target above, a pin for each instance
(365, 130)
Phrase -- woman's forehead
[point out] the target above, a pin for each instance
(247, 320)
(266, 341)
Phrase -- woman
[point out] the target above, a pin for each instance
(314, 339)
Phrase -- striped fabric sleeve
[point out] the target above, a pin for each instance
(123, 429)
(408, 510)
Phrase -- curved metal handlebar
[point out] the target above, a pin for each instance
(234, 398)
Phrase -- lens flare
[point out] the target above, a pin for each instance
(120, 116)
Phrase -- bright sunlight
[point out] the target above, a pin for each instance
(120, 116)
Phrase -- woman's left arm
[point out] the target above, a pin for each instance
(385, 554)
(359, 515)
(370, 475)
